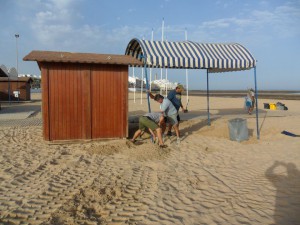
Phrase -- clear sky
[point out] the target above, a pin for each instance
(269, 29)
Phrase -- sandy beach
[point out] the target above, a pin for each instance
(207, 179)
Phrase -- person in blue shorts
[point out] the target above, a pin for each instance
(251, 96)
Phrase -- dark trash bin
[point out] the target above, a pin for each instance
(266, 106)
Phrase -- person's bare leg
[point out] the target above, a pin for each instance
(163, 127)
(169, 128)
(159, 135)
(176, 128)
(153, 135)
(142, 133)
(250, 109)
(151, 132)
(136, 134)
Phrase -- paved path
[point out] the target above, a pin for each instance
(21, 114)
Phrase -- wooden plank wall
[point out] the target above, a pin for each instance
(69, 104)
(45, 101)
(109, 86)
(83, 101)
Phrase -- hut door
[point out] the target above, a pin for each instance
(109, 97)
(69, 102)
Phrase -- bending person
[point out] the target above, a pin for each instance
(169, 110)
(154, 122)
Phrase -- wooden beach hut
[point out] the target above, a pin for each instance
(15, 89)
(84, 96)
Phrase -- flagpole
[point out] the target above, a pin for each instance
(162, 39)
(186, 75)
(142, 85)
(151, 68)
(134, 84)
(166, 82)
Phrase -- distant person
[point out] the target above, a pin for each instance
(248, 102)
(154, 121)
(250, 95)
(175, 97)
(169, 110)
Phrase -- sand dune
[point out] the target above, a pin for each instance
(207, 179)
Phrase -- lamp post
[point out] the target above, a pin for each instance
(17, 36)
(8, 89)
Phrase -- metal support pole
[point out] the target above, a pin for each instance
(186, 75)
(9, 99)
(134, 84)
(142, 86)
(187, 84)
(207, 93)
(17, 61)
(256, 104)
(147, 87)
(17, 51)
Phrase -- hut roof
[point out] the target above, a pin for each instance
(2, 73)
(26, 79)
(52, 56)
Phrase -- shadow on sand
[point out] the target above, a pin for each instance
(287, 184)
(188, 130)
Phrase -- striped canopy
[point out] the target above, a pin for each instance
(191, 55)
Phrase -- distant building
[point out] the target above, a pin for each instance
(12, 87)
(165, 84)
(36, 80)
(135, 82)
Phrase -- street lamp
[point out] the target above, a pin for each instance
(17, 36)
